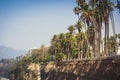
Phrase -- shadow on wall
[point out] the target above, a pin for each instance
(106, 69)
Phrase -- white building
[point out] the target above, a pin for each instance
(118, 53)
(4, 79)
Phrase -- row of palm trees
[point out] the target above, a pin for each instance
(67, 43)
(97, 13)
(87, 41)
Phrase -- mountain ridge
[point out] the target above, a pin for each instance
(7, 52)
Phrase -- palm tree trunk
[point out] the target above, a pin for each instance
(55, 52)
(88, 49)
(99, 40)
(96, 46)
(87, 52)
(68, 57)
(112, 21)
(106, 36)
(79, 50)
(99, 35)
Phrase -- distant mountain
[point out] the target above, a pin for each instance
(6, 52)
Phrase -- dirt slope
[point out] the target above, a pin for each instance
(95, 69)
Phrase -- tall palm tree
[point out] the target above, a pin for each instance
(87, 16)
(113, 28)
(98, 15)
(106, 9)
(91, 37)
(97, 12)
(80, 37)
(69, 40)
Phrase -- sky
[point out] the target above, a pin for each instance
(26, 24)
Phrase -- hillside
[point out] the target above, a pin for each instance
(93, 69)
(6, 52)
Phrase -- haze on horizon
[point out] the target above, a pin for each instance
(26, 24)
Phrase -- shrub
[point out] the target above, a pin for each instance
(60, 56)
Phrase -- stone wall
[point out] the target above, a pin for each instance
(88, 69)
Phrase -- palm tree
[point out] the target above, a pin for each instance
(106, 9)
(80, 38)
(62, 42)
(99, 20)
(87, 16)
(55, 44)
(91, 36)
(79, 26)
(68, 41)
(77, 11)
(71, 29)
(97, 12)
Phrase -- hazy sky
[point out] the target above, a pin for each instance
(27, 24)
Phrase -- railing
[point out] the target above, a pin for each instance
(96, 58)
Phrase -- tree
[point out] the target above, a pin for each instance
(38, 55)
(97, 12)
(106, 10)
(79, 25)
(112, 47)
(80, 39)
(87, 16)
(54, 45)
(91, 38)
(71, 29)
(80, 36)
(77, 11)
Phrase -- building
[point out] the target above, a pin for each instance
(118, 53)
(4, 79)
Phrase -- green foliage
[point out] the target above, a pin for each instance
(5, 66)
(47, 59)
(112, 45)
(20, 70)
(71, 29)
(60, 56)
(118, 36)
(74, 53)
(72, 44)
(76, 10)
(38, 55)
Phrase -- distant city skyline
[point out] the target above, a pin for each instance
(26, 24)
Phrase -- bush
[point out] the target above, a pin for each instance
(47, 59)
(60, 56)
